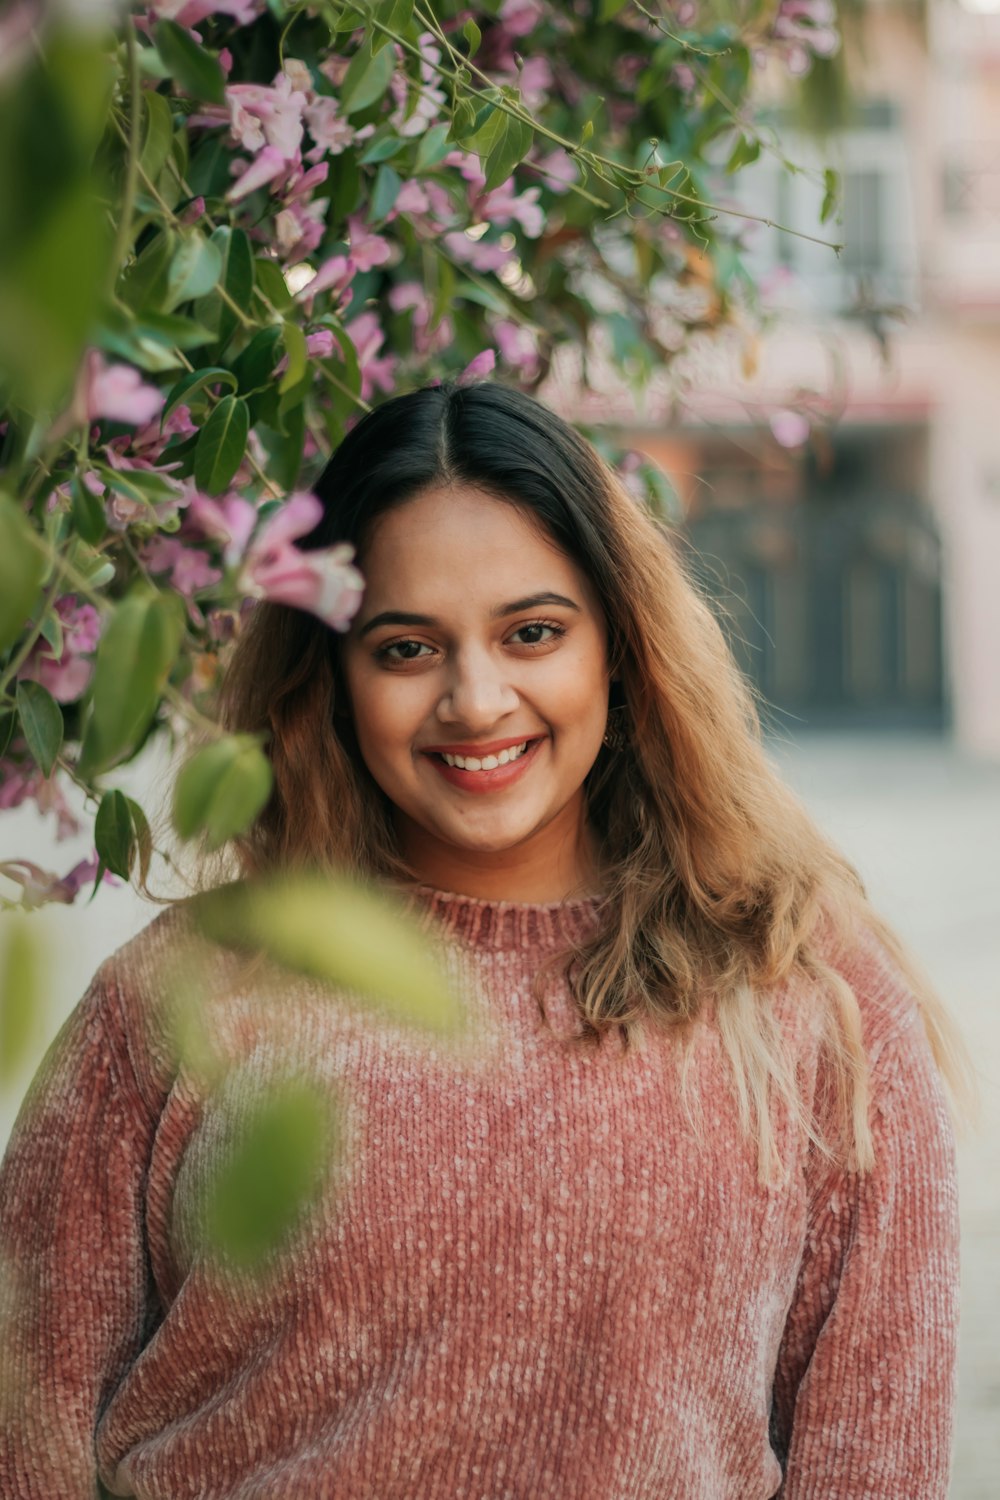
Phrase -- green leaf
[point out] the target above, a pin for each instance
(41, 723)
(831, 194)
(134, 656)
(432, 147)
(174, 330)
(610, 8)
(21, 996)
(501, 142)
(284, 447)
(273, 1169)
(195, 381)
(143, 836)
(221, 790)
(8, 723)
(270, 283)
(298, 356)
(367, 78)
(385, 192)
(158, 135)
(114, 834)
(88, 511)
(22, 567)
(381, 148)
(52, 634)
(144, 283)
(236, 278)
(254, 368)
(474, 36)
(222, 443)
(345, 934)
(195, 68)
(746, 150)
(194, 270)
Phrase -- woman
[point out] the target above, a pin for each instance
(690, 1230)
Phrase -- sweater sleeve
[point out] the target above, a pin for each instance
(77, 1296)
(865, 1383)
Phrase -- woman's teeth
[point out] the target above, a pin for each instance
(488, 762)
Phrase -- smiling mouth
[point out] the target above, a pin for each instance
(485, 762)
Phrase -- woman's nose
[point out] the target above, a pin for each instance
(479, 693)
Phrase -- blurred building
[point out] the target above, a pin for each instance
(857, 559)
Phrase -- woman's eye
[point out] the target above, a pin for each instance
(538, 633)
(401, 650)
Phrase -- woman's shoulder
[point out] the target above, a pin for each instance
(867, 958)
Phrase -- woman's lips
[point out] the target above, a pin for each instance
(486, 781)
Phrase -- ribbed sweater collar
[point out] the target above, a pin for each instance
(504, 925)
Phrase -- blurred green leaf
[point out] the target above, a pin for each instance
(21, 995)
(196, 382)
(22, 567)
(222, 789)
(298, 358)
(158, 134)
(746, 150)
(284, 1143)
(474, 36)
(432, 147)
(381, 148)
(501, 143)
(8, 723)
(194, 269)
(367, 78)
(195, 68)
(88, 511)
(236, 279)
(114, 834)
(339, 932)
(831, 195)
(41, 723)
(222, 443)
(387, 186)
(134, 656)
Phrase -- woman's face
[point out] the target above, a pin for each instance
(478, 681)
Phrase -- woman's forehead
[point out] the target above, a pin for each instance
(458, 542)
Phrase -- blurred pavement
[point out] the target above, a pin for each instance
(922, 825)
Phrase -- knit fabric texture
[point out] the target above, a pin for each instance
(533, 1274)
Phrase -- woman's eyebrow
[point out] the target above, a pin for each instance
(532, 601)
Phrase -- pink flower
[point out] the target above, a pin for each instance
(790, 428)
(322, 581)
(320, 345)
(40, 886)
(18, 785)
(518, 345)
(411, 199)
(268, 165)
(558, 169)
(367, 249)
(335, 273)
(262, 115)
(367, 337)
(520, 17)
(482, 255)
(331, 132)
(188, 566)
(483, 363)
(67, 676)
(118, 392)
(230, 520)
(299, 228)
(504, 204)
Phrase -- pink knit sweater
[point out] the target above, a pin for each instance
(532, 1281)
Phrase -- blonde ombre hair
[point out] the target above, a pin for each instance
(718, 885)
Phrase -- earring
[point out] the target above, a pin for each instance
(616, 730)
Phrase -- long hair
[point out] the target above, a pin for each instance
(718, 886)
